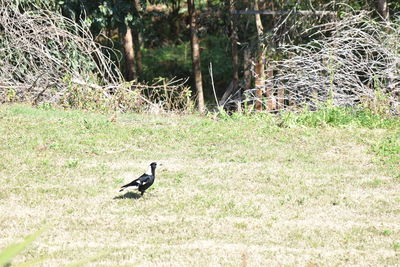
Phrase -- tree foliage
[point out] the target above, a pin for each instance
(161, 27)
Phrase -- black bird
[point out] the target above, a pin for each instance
(144, 181)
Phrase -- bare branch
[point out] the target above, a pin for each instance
(46, 57)
(281, 12)
(356, 61)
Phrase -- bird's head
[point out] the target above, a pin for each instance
(152, 168)
(153, 165)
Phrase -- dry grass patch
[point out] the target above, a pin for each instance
(230, 192)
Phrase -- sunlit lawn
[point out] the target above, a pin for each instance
(231, 191)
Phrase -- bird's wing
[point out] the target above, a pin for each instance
(144, 179)
(133, 183)
(139, 181)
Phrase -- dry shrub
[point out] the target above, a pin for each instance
(48, 58)
(168, 94)
(355, 61)
(171, 95)
(42, 51)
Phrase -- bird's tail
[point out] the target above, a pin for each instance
(123, 188)
(132, 185)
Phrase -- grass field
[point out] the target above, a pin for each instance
(240, 191)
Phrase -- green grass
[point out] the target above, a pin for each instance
(305, 189)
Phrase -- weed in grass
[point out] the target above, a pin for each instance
(71, 164)
(240, 225)
(386, 232)
(375, 182)
(118, 181)
(389, 149)
(300, 201)
(179, 177)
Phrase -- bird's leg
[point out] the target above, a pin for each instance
(141, 193)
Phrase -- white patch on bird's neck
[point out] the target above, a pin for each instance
(148, 172)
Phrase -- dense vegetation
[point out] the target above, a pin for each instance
(152, 39)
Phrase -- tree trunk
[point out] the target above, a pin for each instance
(259, 68)
(137, 40)
(194, 41)
(138, 52)
(247, 68)
(233, 85)
(129, 54)
(271, 100)
(383, 9)
(234, 40)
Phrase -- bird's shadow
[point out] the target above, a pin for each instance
(129, 195)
